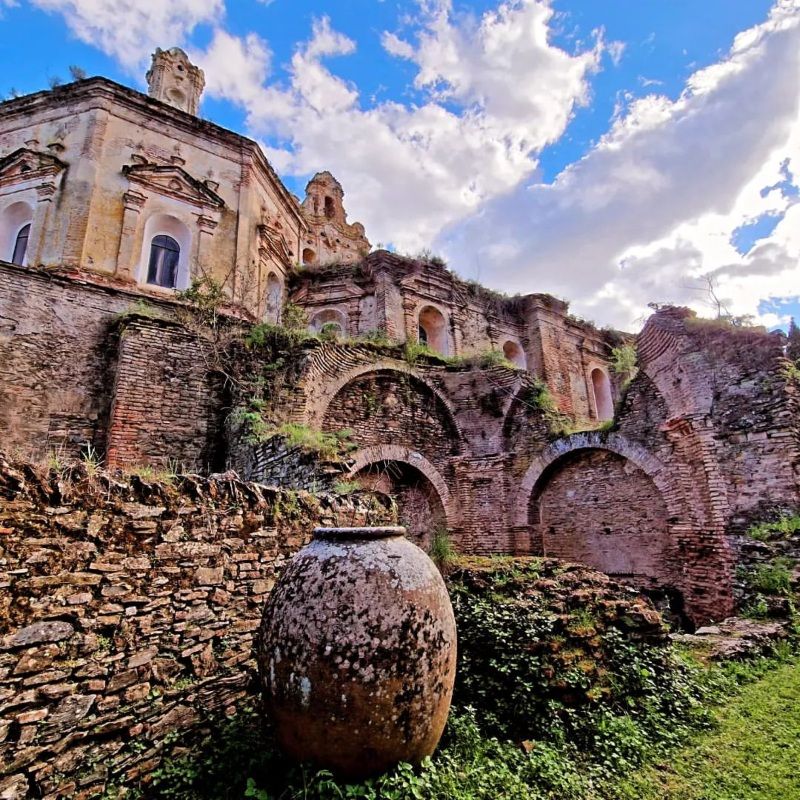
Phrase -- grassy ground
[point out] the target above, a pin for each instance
(753, 753)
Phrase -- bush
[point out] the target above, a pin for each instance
(530, 670)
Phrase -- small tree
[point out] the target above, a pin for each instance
(793, 351)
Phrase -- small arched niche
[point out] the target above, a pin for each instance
(601, 390)
(515, 354)
(309, 256)
(420, 507)
(274, 304)
(15, 229)
(432, 330)
(331, 321)
(165, 253)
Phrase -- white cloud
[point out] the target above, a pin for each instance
(130, 30)
(652, 207)
(408, 169)
(235, 68)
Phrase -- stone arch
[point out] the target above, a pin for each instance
(595, 440)
(432, 329)
(315, 411)
(596, 507)
(328, 316)
(387, 407)
(397, 454)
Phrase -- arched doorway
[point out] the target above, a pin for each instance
(514, 353)
(274, 299)
(420, 508)
(331, 321)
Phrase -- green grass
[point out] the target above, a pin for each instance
(752, 753)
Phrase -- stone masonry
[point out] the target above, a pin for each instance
(128, 610)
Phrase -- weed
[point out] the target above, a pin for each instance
(346, 487)
(441, 549)
(773, 578)
(782, 528)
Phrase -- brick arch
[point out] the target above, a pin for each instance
(315, 411)
(595, 440)
(405, 455)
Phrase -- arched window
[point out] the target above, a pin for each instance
(309, 256)
(330, 209)
(433, 330)
(162, 269)
(21, 245)
(166, 245)
(15, 232)
(603, 402)
(514, 353)
(330, 321)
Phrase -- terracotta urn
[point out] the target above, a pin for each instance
(357, 652)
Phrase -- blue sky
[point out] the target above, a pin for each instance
(481, 128)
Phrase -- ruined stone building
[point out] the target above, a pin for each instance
(112, 202)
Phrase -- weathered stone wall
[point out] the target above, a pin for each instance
(279, 464)
(83, 370)
(395, 409)
(168, 401)
(128, 610)
(57, 358)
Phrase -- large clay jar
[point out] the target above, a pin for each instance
(357, 652)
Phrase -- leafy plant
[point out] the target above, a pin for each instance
(330, 332)
(294, 318)
(773, 578)
(781, 528)
(346, 487)
(623, 359)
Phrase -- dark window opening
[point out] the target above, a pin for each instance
(329, 209)
(163, 268)
(422, 335)
(21, 245)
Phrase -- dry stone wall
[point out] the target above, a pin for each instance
(128, 611)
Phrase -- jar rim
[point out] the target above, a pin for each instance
(378, 532)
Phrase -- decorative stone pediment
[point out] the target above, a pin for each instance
(173, 181)
(25, 165)
(271, 240)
